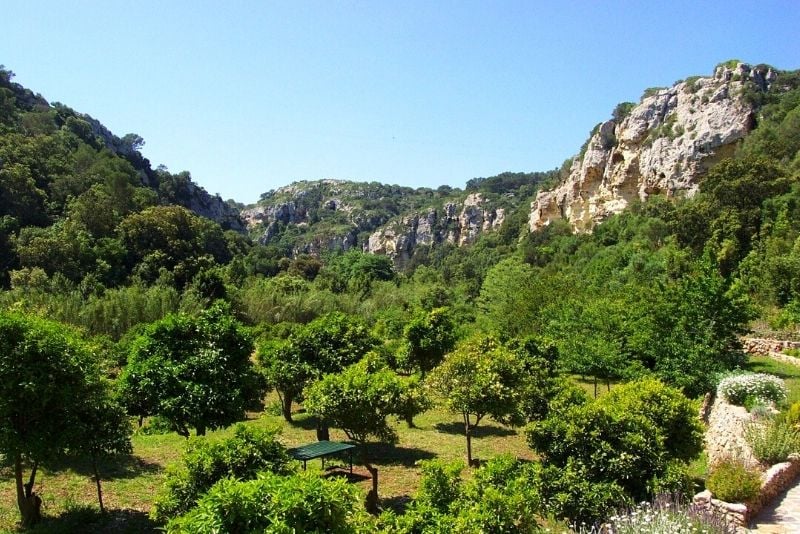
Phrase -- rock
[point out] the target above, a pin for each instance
(725, 433)
(460, 227)
(703, 497)
(663, 146)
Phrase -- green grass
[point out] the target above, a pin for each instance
(130, 486)
(588, 385)
(788, 372)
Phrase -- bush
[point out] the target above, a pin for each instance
(773, 440)
(632, 437)
(273, 503)
(730, 480)
(741, 388)
(793, 414)
(502, 497)
(667, 408)
(441, 483)
(248, 452)
(570, 493)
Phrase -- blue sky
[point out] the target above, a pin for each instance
(249, 96)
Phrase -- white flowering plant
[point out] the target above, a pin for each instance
(667, 514)
(747, 388)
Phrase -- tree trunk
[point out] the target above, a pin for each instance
(97, 482)
(182, 431)
(30, 505)
(468, 433)
(372, 496)
(286, 406)
(201, 430)
(410, 421)
(595, 387)
(323, 432)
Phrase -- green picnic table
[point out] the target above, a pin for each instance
(321, 449)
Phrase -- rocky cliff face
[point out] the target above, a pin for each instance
(456, 223)
(336, 214)
(662, 146)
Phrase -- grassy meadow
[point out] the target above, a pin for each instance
(130, 484)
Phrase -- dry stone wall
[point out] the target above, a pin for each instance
(773, 482)
(725, 433)
(765, 347)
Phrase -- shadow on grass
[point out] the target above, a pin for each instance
(89, 519)
(344, 472)
(480, 431)
(385, 454)
(306, 422)
(123, 466)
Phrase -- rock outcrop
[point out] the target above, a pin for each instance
(337, 214)
(212, 207)
(456, 223)
(662, 146)
(725, 433)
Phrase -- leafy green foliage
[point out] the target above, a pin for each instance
(623, 442)
(731, 480)
(273, 503)
(325, 345)
(500, 498)
(250, 451)
(621, 111)
(358, 400)
(480, 378)
(195, 372)
(430, 336)
(52, 401)
(173, 239)
(772, 440)
(355, 271)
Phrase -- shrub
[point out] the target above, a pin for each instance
(273, 503)
(502, 497)
(622, 110)
(737, 389)
(732, 481)
(569, 493)
(248, 452)
(773, 440)
(441, 483)
(651, 91)
(634, 437)
(793, 414)
(673, 414)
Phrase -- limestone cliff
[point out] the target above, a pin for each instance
(458, 223)
(662, 146)
(312, 217)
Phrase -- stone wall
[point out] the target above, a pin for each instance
(766, 347)
(725, 433)
(774, 481)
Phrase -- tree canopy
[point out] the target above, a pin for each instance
(193, 371)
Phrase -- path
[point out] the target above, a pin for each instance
(782, 516)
